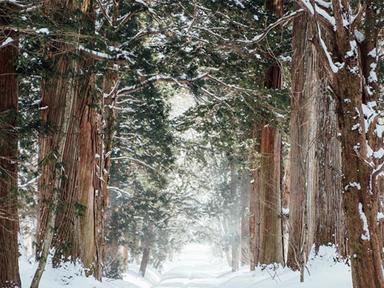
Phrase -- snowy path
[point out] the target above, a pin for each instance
(195, 267)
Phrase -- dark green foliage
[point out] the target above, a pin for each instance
(186, 40)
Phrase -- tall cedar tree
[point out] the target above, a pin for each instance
(9, 222)
(352, 73)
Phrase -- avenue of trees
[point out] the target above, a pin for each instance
(281, 152)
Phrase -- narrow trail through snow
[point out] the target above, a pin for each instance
(196, 266)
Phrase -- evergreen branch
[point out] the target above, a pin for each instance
(182, 82)
(280, 22)
(134, 160)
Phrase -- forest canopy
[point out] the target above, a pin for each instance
(130, 128)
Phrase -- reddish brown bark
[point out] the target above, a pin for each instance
(266, 242)
(302, 162)
(330, 226)
(275, 6)
(273, 80)
(55, 95)
(9, 223)
(354, 91)
(270, 197)
(315, 184)
(360, 196)
(56, 106)
(79, 218)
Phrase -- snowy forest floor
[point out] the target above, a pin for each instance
(197, 267)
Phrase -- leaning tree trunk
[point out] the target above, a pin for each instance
(271, 238)
(9, 222)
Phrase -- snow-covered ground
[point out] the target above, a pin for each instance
(71, 276)
(197, 267)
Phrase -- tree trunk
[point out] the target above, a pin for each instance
(9, 221)
(271, 241)
(254, 204)
(360, 192)
(302, 161)
(329, 206)
(235, 259)
(244, 229)
(79, 223)
(285, 209)
(355, 85)
(234, 217)
(315, 156)
(145, 259)
(57, 101)
(110, 86)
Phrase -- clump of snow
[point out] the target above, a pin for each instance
(239, 3)
(353, 185)
(285, 211)
(44, 31)
(6, 42)
(365, 235)
(335, 67)
(372, 73)
(380, 216)
(360, 37)
(379, 129)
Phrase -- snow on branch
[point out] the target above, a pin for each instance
(321, 15)
(13, 2)
(134, 160)
(21, 6)
(335, 67)
(98, 55)
(281, 21)
(181, 81)
(7, 42)
(365, 235)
